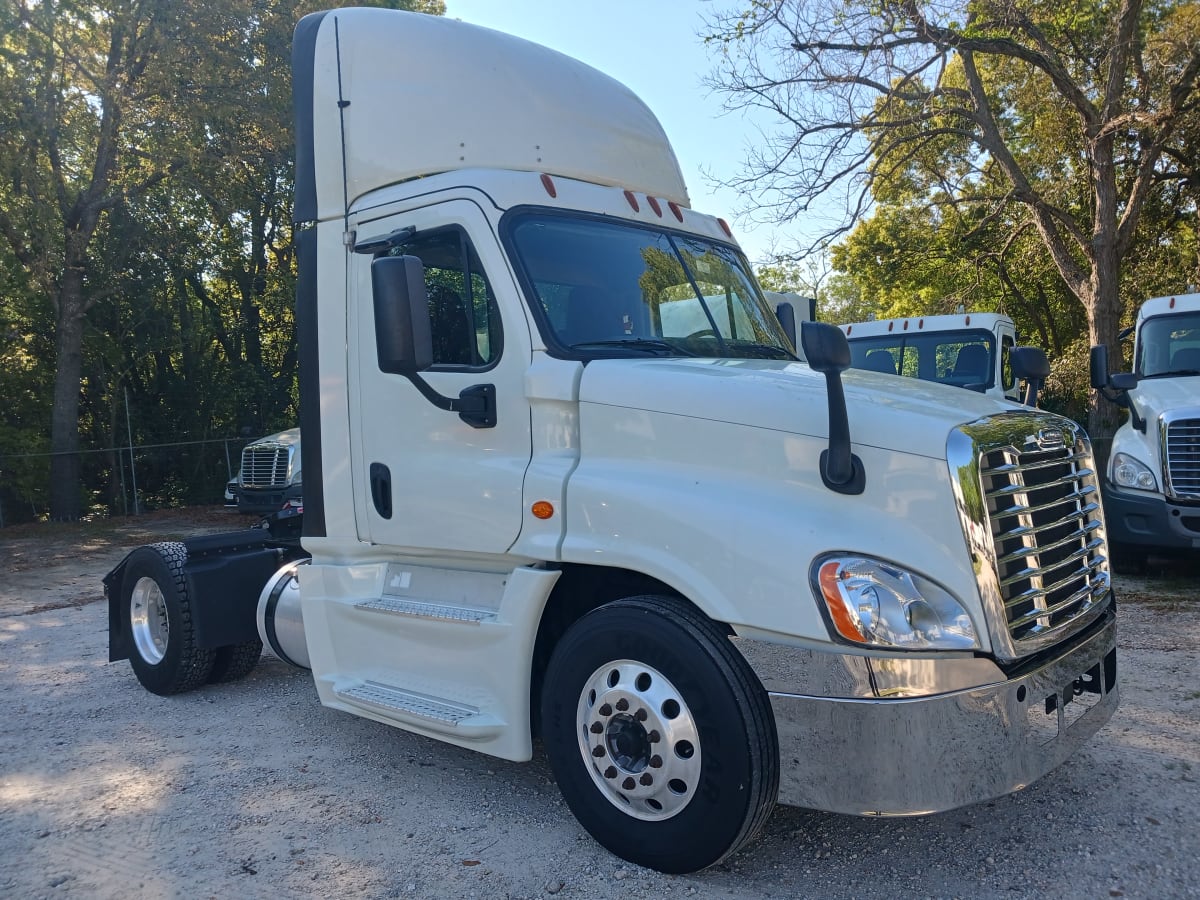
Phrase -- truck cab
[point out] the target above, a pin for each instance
(965, 350)
(1152, 481)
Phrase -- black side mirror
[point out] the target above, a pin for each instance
(786, 315)
(1115, 387)
(1098, 367)
(1031, 365)
(828, 352)
(403, 336)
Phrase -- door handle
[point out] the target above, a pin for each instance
(381, 489)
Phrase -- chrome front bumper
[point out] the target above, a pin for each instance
(879, 750)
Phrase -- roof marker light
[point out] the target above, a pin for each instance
(653, 201)
(905, 325)
(725, 227)
(920, 323)
(674, 207)
(548, 184)
(632, 200)
(1171, 305)
(891, 325)
(968, 320)
(848, 328)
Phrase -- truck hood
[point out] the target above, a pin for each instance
(289, 438)
(1155, 395)
(885, 411)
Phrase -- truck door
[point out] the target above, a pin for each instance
(424, 478)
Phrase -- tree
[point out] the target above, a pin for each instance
(1062, 120)
(172, 115)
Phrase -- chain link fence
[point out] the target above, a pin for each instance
(125, 480)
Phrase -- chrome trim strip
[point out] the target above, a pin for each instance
(1042, 507)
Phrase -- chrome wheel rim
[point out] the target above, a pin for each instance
(148, 620)
(638, 740)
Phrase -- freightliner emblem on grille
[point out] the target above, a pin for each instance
(1048, 439)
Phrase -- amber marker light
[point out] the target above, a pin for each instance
(830, 583)
(548, 184)
(542, 509)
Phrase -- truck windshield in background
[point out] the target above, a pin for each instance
(604, 289)
(958, 358)
(1169, 345)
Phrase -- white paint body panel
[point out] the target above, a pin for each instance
(428, 94)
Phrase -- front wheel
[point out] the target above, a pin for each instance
(157, 617)
(659, 734)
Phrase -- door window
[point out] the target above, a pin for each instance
(463, 317)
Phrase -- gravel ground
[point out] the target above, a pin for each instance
(253, 789)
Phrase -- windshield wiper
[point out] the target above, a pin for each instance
(759, 351)
(645, 345)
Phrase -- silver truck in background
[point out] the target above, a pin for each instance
(270, 475)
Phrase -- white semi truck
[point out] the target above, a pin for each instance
(540, 501)
(967, 350)
(1152, 483)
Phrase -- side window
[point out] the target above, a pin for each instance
(1006, 373)
(463, 317)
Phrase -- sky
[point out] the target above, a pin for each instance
(654, 48)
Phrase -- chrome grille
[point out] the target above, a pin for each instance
(1030, 502)
(266, 465)
(1182, 445)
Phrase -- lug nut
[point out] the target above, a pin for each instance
(610, 772)
(656, 762)
(596, 728)
(654, 737)
(605, 710)
(622, 704)
(629, 784)
(640, 715)
(646, 779)
(598, 751)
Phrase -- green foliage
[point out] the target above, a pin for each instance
(146, 159)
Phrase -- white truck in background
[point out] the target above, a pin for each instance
(708, 575)
(966, 350)
(1151, 485)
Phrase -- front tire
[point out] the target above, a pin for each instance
(659, 734)
(157, 617)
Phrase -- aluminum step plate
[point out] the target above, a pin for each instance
(379, 696)
(422, 610)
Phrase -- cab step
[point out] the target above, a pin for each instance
(421, 609)
(438, 713)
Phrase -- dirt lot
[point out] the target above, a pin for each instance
(253, 789)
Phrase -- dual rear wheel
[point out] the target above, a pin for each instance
(157, 614)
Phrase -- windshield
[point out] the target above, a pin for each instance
(959, 358)
(1169, 345)
(607, 289)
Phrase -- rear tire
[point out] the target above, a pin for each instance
(235, 662)
(157, 616)
(659, 734)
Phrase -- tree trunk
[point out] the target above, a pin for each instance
(65, 468)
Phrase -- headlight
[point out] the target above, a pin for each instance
(1128, 472)
(879, 604)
